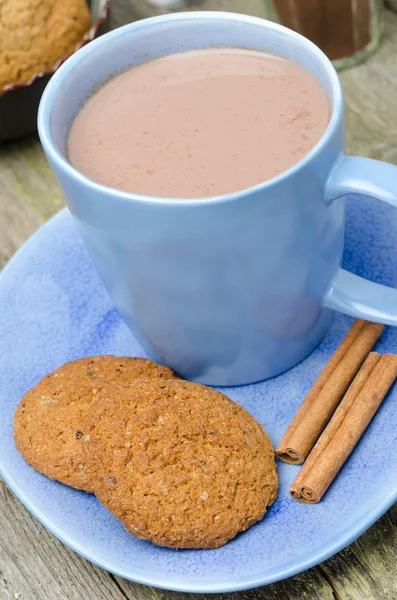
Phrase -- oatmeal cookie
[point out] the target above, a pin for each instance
(179, 463)
(49, 420)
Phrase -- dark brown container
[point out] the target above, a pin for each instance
(346, 30)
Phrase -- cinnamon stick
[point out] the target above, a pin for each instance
(345, 428)
(327, 391)
(334, 424)
(283, 450)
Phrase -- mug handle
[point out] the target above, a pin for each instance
(347, 292)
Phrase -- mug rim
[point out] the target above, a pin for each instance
(45, 112)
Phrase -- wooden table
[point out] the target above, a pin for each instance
(34, 565)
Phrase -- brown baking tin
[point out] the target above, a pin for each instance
(19, 101)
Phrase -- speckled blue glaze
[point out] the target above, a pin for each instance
(231, 289)
(54, 308)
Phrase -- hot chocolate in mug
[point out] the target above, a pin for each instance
(229, 289)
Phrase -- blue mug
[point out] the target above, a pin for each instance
(230, 289)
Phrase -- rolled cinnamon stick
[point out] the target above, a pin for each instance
(327, 391)
(345, 428)
(284, 450)
(355, 388)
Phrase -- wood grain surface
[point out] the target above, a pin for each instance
(34, 565)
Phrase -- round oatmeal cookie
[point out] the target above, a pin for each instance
(179, 463)
(49, 420)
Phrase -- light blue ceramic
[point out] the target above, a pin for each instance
(236, 288)
(53, 308)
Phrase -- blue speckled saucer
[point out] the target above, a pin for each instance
(53, 308)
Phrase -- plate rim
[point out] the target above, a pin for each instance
(176, 584)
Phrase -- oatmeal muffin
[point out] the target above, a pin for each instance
(34, 34)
